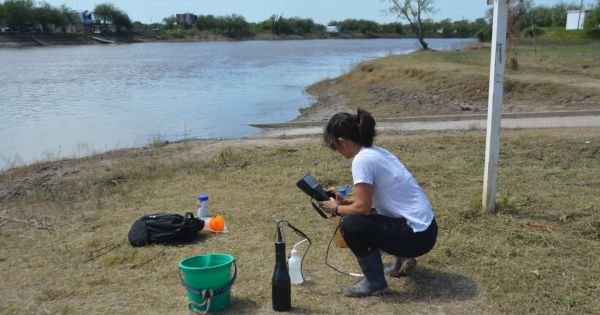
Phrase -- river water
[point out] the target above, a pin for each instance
(78, 100)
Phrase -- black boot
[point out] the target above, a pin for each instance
(401, 266)
(373, 283)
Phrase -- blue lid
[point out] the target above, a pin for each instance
(343, 191)
(203, 197)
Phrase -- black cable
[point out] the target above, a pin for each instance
(301, 234)
(351, 274)
(305, 252)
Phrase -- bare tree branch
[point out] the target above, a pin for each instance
(413, 11)
(34, 223)
(160, 253)
(101, 251)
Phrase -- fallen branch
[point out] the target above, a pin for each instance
(101, 248)
(160, 253)
(538, 226)
(106, 249)
(34, 223)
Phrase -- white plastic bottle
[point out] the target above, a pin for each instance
(295, 267)
(203, 206)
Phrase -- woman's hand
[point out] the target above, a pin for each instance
(359, 205)
(341, 200)
(329, 205)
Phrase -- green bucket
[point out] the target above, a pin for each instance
(208, 281)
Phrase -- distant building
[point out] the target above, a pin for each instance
(575, 19)
(187, 19)
(85, 22)
(332, 29)
(86, 17)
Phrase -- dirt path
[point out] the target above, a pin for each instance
(445, 122)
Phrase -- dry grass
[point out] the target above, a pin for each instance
(481, 264)
(560, 77)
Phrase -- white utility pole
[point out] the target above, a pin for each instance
(579, 18)
(496, 93)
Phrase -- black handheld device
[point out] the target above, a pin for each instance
(311, 186)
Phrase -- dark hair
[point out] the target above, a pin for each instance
(359, 128)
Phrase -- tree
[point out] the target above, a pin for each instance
(104, 12)
(479, 24)
(2, 14)
(237, 26)
(170, 22)
(518, 15)
(108, 13)
(429, 28)
(592, 22)
(67, 14)
(559, 13)
(461, 28)
(277, 24)
(19, 13)
(207, 23)
(541, 16)
(517, 21)
(445, 27)
(392, 28)
(413, 11)
(46, 15)
(139, 27)
(302, 26)
(121, 20)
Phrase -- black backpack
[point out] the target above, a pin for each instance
(164, 228)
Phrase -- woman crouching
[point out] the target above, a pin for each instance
(389, 211)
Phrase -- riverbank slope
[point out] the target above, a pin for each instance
(548, 77)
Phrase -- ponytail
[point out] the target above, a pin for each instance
(366, 127)
(359, 128)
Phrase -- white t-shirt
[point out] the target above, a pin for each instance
(396, 193)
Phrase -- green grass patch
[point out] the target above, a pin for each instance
(537, 255)
(562, 34)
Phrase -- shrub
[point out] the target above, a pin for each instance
(592, 22)
(533, 31)
(485, 34)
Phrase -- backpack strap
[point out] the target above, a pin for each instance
(207, 294)
(188, 215)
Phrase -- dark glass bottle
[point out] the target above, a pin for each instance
(281, 284)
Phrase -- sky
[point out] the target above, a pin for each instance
(321, 11)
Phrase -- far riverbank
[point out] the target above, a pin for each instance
(21, 40)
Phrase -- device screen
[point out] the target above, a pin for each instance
(311, 181)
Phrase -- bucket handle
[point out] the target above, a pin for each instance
(207, 294)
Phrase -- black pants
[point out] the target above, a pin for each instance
(365, 234)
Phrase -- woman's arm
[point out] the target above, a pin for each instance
(359, 205)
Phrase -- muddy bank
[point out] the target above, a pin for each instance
(36, 40)
(18, 40)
